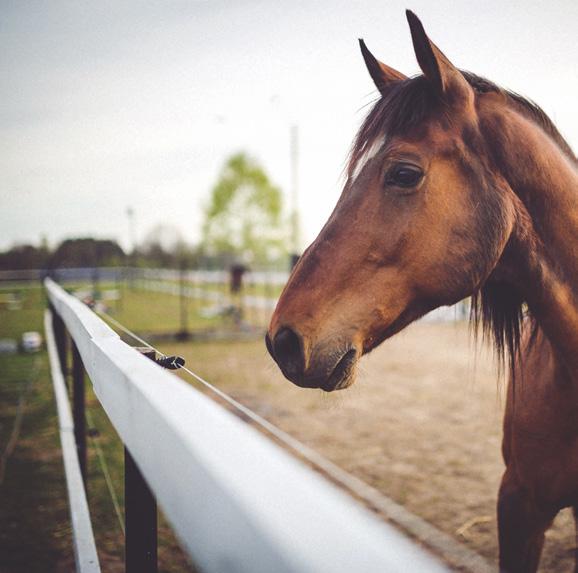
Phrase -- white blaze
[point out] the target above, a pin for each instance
(367, 156)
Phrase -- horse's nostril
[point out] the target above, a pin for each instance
(288, 351)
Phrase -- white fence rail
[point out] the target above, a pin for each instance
(85, 554)
(276, 278)
(200, 293)
(237, 502)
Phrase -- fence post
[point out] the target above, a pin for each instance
(183, 333)
(140, 515)
(78, 408)
(60, 339)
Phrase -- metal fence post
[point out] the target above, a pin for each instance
(140, 515)
(78, 408)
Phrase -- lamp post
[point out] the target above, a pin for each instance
(294, 158)
(132, 238)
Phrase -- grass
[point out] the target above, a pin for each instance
(35, 530)
(14, 322)
(150, 312)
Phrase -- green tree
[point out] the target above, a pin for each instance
(244, 215)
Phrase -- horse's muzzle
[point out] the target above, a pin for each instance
(325, 368)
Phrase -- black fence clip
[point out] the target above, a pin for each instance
(171, 362)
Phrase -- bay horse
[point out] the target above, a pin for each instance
(455, 188)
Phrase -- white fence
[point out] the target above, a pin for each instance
(274, 278)
(237, 501)
(151, 280)
(83, 539)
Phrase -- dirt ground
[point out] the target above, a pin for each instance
(422, 424)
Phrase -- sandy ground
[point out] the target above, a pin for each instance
(422, 424)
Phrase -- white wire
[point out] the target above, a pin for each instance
(106, 473)
(454, 552)
(127, 331)
(350, 482)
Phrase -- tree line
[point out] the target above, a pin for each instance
(244, 222)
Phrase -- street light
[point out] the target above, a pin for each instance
(132, 239)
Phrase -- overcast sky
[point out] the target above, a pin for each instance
(112, 104)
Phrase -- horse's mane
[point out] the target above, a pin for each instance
(411, 101)
(498, 308)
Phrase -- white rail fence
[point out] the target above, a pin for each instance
(83, 538)
(166, 281)
(237, 502)
(198, 279)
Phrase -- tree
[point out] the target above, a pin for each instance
(244, 216)
(87, 252)
(25, 257)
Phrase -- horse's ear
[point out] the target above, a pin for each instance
(383, 76)
(444, 76)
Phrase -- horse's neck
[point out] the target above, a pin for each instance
(546, 238)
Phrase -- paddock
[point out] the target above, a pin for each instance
(236, 501)
(422, 426)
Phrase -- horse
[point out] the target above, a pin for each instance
(455, 188)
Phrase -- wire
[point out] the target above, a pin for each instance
(441, 543)
(338, 475)
(104, 467)
(127, 331)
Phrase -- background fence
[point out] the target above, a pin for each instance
(232, 310)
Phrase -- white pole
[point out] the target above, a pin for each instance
(294, 145)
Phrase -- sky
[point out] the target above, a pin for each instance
(115, 104)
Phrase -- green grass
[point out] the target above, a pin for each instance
(147, 311)
(14, 322)
(34, 518)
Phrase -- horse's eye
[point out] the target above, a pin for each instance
(404, 175)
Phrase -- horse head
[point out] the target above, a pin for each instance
(423, 220)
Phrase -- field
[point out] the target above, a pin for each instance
(422, 424)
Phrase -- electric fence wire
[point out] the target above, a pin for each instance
(355, 485)
(104, 468)
(458, 555)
